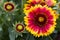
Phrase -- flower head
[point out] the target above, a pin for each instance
(40, 21)
(19, 27)
(9, 6)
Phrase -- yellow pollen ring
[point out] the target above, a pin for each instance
(9, 6)
(19, 27)
(41, 19)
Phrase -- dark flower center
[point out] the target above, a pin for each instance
(19, 27)
(41, 19)
(9, 7)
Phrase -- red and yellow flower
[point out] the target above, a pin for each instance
(47, 2)
(27, 7)
(40, 21)
(9, 6)
(34, 1)
(18, 27)
(41, 2)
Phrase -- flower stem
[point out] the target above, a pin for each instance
(27, 37)
(50, 38)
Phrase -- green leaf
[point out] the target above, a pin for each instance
(58, 24)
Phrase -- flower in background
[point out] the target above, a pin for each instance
(27, 7)
(34, 1)
(40, 21)
(19, 27)
(42, 2)
(50, 2)
(9, 6)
